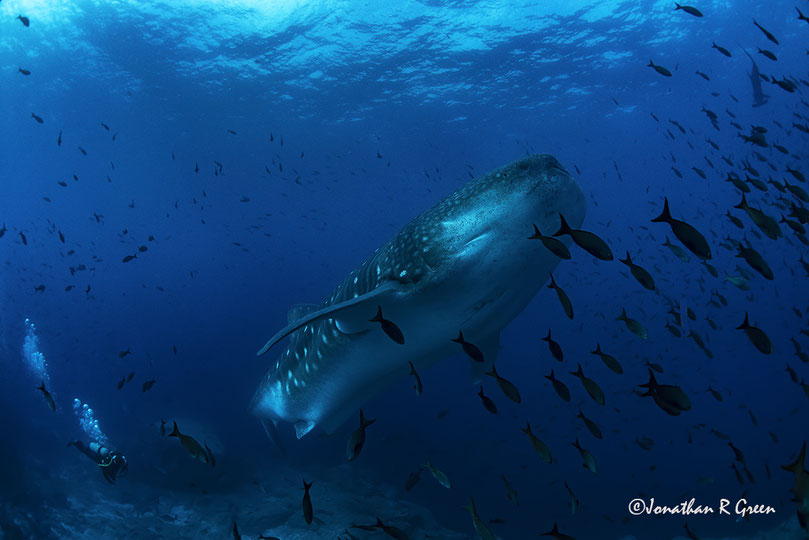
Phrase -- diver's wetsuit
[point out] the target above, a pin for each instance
(113, 464)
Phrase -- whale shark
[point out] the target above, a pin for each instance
(465, 265)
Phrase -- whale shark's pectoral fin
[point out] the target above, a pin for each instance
(272, 432)
(302, 427)
(489, 347)
(351, 310)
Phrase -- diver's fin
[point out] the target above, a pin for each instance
(489, 347)
(302, 427)
(272, 432)
(344, 309)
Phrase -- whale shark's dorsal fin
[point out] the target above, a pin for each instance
(334, 311)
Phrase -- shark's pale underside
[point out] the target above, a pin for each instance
(466, 264)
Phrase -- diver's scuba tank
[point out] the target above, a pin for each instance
(102, 451)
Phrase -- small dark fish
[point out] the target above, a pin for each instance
(589, 464)
(236, 535)
(755, 260)
(685, 233)
(670, 398)
(122, 354)
(148, 385)
(608, 359)
(196, 167)
(390, 329)
(716, 395)
(23, 71)
(307, 503)
(591, 426)
(654, 366)
(3, 230)
(768, 54)
(23, 238)
(472, 351)
(190, 444)
(563, 298)
(801, 16)
(129, 258)
(785, 84)
(768, 225)
(639, 273)
(505, 385)
(632, 325)
(766, 33)
(231, 132)
(59, 139)
(37, 118)
(757, 336)
(390, 530)
(721, 49)
(40, 288)
(560, 387)
(703, 75)
(797, 174)
(48, 397)
(142, 249)
(487, 401)
(357, 438)
(121, 383)
(660, 69)
(24, 20)
(211, 458)
(539, 447)
(688, 9)
(591, 386)
(588, 241)
(82, 150)
(738, 183)
(552, 244)
(555, 348)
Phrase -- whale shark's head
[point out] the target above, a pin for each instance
(497, 210)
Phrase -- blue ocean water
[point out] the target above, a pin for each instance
(260, 150)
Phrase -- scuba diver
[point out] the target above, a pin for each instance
(113, 464)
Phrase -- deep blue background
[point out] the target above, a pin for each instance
(433, 87)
